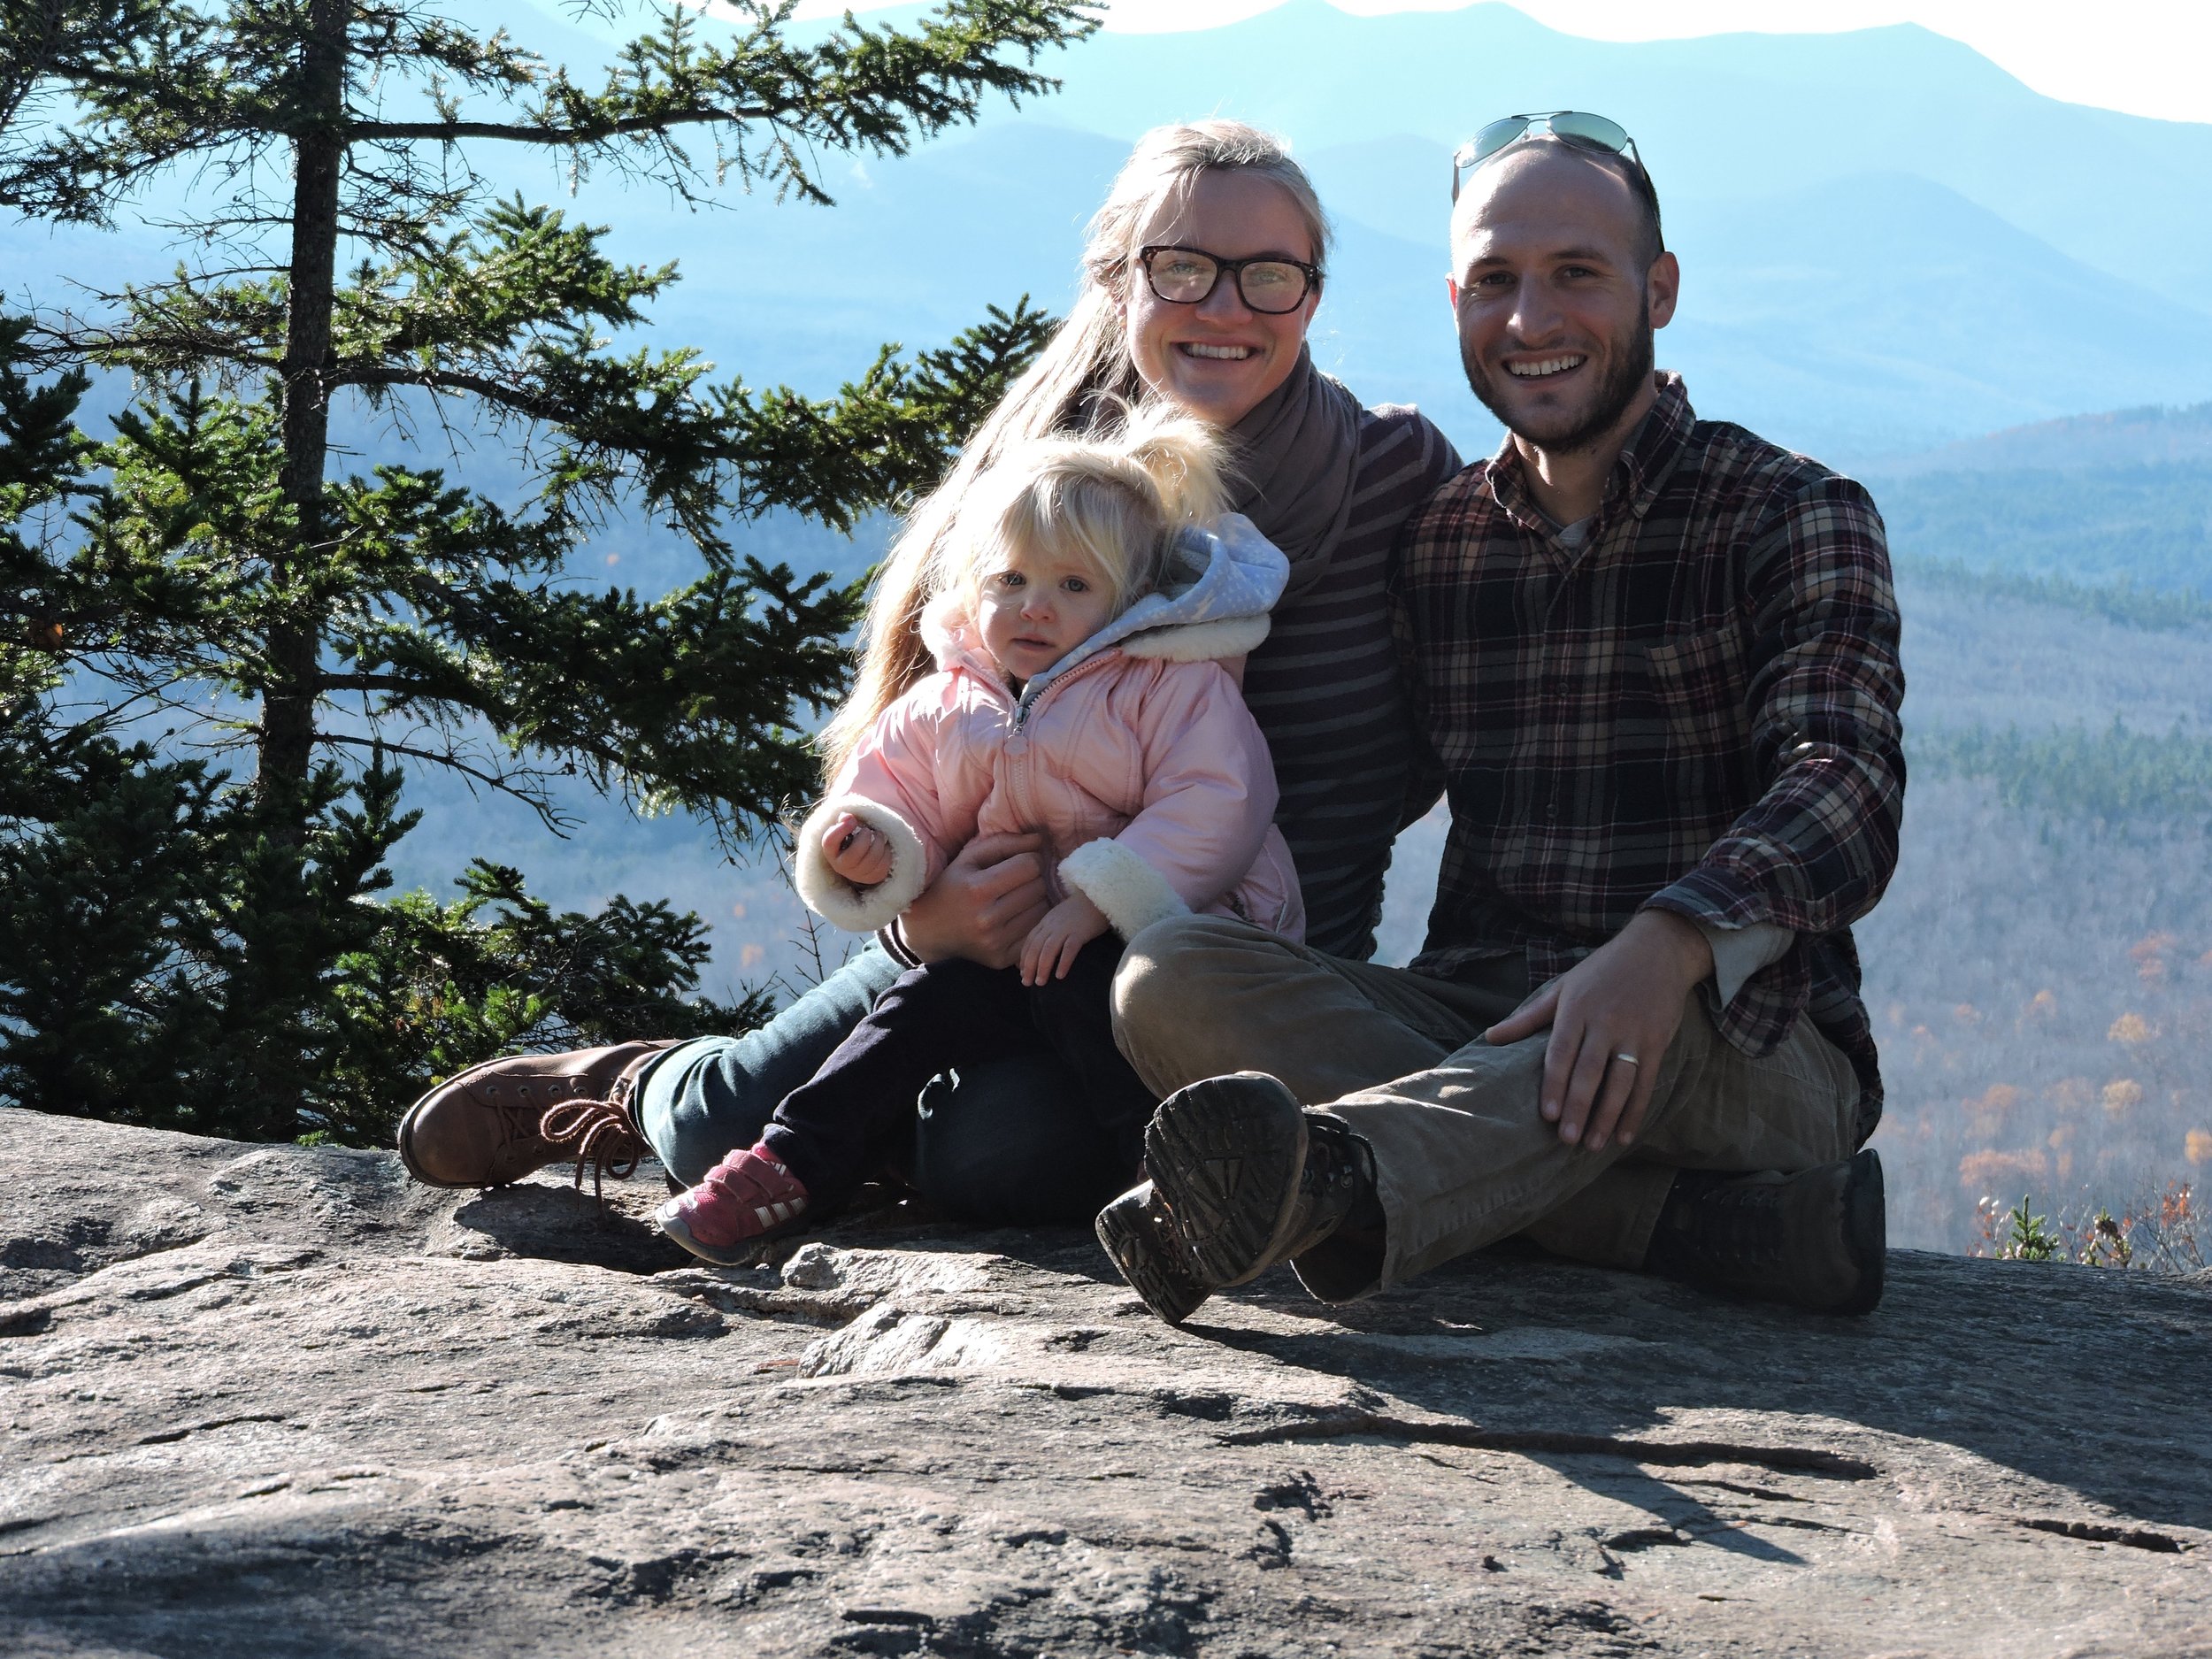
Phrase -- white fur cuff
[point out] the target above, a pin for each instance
(837, 901)
(1131, 892)
(1200, 641)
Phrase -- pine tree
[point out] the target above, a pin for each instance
(346, 627)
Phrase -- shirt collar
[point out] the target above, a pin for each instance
(1647, 460)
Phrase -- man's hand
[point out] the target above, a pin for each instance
(856, 851)
(1624, 999)
(1054, 943)
(984, 903)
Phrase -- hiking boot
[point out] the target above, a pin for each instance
(1816, 1240)
(1141, 1242)
(1250, 1178)
(498, 1122)
(749, 1196)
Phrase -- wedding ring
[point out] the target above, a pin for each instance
(1626, 1059)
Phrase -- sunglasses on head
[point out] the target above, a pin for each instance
(1578, 128)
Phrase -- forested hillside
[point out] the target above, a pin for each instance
(2145, 525)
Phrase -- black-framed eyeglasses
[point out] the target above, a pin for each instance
(1270, 284)
(1579, 127)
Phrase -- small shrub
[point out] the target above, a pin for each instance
(2154, 1232)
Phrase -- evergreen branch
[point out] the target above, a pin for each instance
(529, 791)
(699, 453)
(519, 399)
(857, 90)
(400, 684)
(141, 85)
(558, 137)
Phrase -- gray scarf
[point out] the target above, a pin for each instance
(1297, 453)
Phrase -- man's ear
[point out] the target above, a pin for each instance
(1663, 283)
(1451, 290)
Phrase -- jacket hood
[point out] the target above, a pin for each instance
(1220, 583)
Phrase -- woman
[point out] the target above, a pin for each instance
(1201, 275)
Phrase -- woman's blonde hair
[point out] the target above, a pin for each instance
(1115, 504)
(1082, 379)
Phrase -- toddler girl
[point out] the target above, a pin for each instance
(1087, 642)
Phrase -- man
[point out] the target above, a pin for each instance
(1655, 659)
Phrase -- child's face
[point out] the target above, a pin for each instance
(1034, 606)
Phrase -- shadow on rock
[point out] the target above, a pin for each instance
(1531, 1346)
(558, 1223)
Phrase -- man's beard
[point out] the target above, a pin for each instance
(1632, 363)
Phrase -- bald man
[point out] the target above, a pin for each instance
(1654, 659)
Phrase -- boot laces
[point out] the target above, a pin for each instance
(1333, 1166)
(1339, 1173)
(603, 1135)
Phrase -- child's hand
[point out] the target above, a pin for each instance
(1054, 943)
(859, 854)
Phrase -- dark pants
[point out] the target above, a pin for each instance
(856, 1114)
(1010, 1143)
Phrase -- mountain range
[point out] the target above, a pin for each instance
(1888, 243)
(2148, 436)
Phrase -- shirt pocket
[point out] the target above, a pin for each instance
(1697, 685)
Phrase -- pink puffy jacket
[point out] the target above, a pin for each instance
(1134, 754)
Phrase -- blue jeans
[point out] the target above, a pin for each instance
(1010, 1143)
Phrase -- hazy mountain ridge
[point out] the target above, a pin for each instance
(1794, 169)
(2147, 436)
(1888, 243)
(1730, 116)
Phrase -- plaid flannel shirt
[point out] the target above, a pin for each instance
(1696, 709)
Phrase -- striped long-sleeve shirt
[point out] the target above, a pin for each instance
(1325, 690)
(1692, 707)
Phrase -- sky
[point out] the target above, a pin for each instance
(2144, 56)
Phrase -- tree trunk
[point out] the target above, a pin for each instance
(287, 703)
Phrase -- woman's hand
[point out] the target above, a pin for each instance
(1054, 943)
(859, 854)
(983, 905)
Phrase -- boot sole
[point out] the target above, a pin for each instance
(1866, 1231)
(1226, 1156)
(1133, 1243)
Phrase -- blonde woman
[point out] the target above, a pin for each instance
(1201, 275)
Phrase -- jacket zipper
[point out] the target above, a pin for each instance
(1017, 774)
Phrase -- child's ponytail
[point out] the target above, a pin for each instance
(1186, 458)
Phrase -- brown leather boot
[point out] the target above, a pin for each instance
(498, 1122)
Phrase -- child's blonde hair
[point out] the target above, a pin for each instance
(1086, 356)
(1115, 505)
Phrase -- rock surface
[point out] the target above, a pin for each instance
(268, 1400)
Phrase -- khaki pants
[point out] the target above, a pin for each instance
(1463, 1156)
